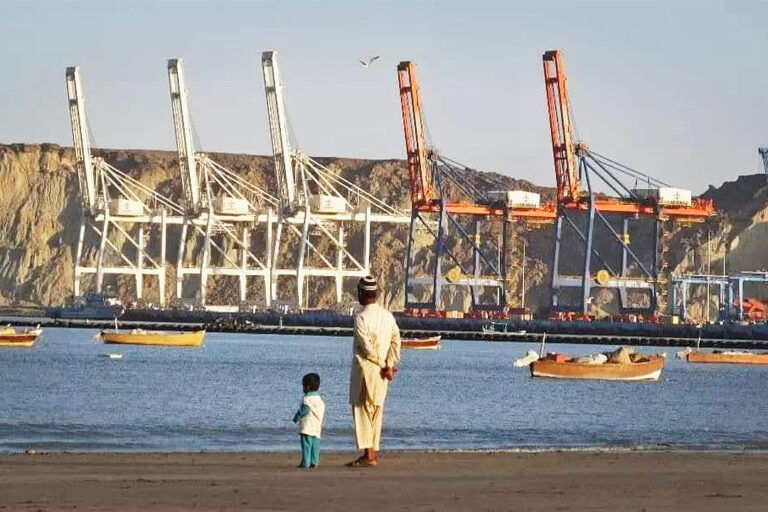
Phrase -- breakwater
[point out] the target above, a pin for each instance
(323, 323)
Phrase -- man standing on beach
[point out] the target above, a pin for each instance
(376, 351)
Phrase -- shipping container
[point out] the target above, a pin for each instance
(323, 203)
(666, 196)
(228, 205)
(517, 198)
(126, 207)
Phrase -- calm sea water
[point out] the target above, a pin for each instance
(239, 392)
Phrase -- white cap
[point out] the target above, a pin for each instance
(368, 283)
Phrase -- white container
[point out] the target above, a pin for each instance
(126, 207)
(228, 205)
(322, 203)
(667, 196)
(517, 198)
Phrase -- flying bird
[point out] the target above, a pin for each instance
(367, 63)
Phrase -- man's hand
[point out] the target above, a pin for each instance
(388, 372)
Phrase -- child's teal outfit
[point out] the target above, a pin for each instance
(310, 418)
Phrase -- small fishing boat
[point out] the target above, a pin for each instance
(727, 357)
(12, 337)
(647, 368)
(431, 343)
(495, 328)
(164, 339)
(112, 356)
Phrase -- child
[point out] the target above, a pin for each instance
(310, 419)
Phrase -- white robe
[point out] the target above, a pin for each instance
(376, 346)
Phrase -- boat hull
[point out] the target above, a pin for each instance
(432, 343)
(705, 357)
(181, 339)
(18, 340)
(645, 371)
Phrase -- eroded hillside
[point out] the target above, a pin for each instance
(39, 219)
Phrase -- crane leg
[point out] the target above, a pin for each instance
(243, 263)
(206, 256)
(100, 260)
(163, 246)
(658, 233)
(275, 257)
(340, 265)
(475, 290)
(140, 263)
(586, 277)
(180, 261)
(624, 267)
(409, 259)
(502, 298)
(79, 256)
(555, 283)
(268, 273)
(437, 279)
(300, 263)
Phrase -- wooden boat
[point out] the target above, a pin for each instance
(648, 369)
(728, 357)
(11, 337)
(431, 343)
(165, 339)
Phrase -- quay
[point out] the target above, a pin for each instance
(727, 335)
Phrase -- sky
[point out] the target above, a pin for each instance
(678, 90)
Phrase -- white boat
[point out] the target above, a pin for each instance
(495, 328)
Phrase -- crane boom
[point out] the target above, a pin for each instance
(183, 130)
(81, 140)
(278, 129)
(568, 182)
(422, 191)
(764, 155)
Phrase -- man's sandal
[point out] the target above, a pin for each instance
(362, 462)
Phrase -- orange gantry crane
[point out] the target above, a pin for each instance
(466, 245)
(652, 203)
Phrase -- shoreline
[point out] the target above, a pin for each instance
(423, 481)
(697, 449)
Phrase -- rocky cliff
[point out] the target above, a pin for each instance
(39, 219)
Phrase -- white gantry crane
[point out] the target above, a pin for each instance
(223, 214)
(127, 217)
(316, 205)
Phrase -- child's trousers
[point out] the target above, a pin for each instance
(310, 451)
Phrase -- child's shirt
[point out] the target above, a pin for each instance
(310, 414)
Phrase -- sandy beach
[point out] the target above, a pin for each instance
(404, 481)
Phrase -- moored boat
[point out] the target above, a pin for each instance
(431, 343)
(92, 305)
(12, 337)
(495, 328)
(647, 368)
(165, 339)
(727, 357)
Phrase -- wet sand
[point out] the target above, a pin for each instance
(404, 481)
